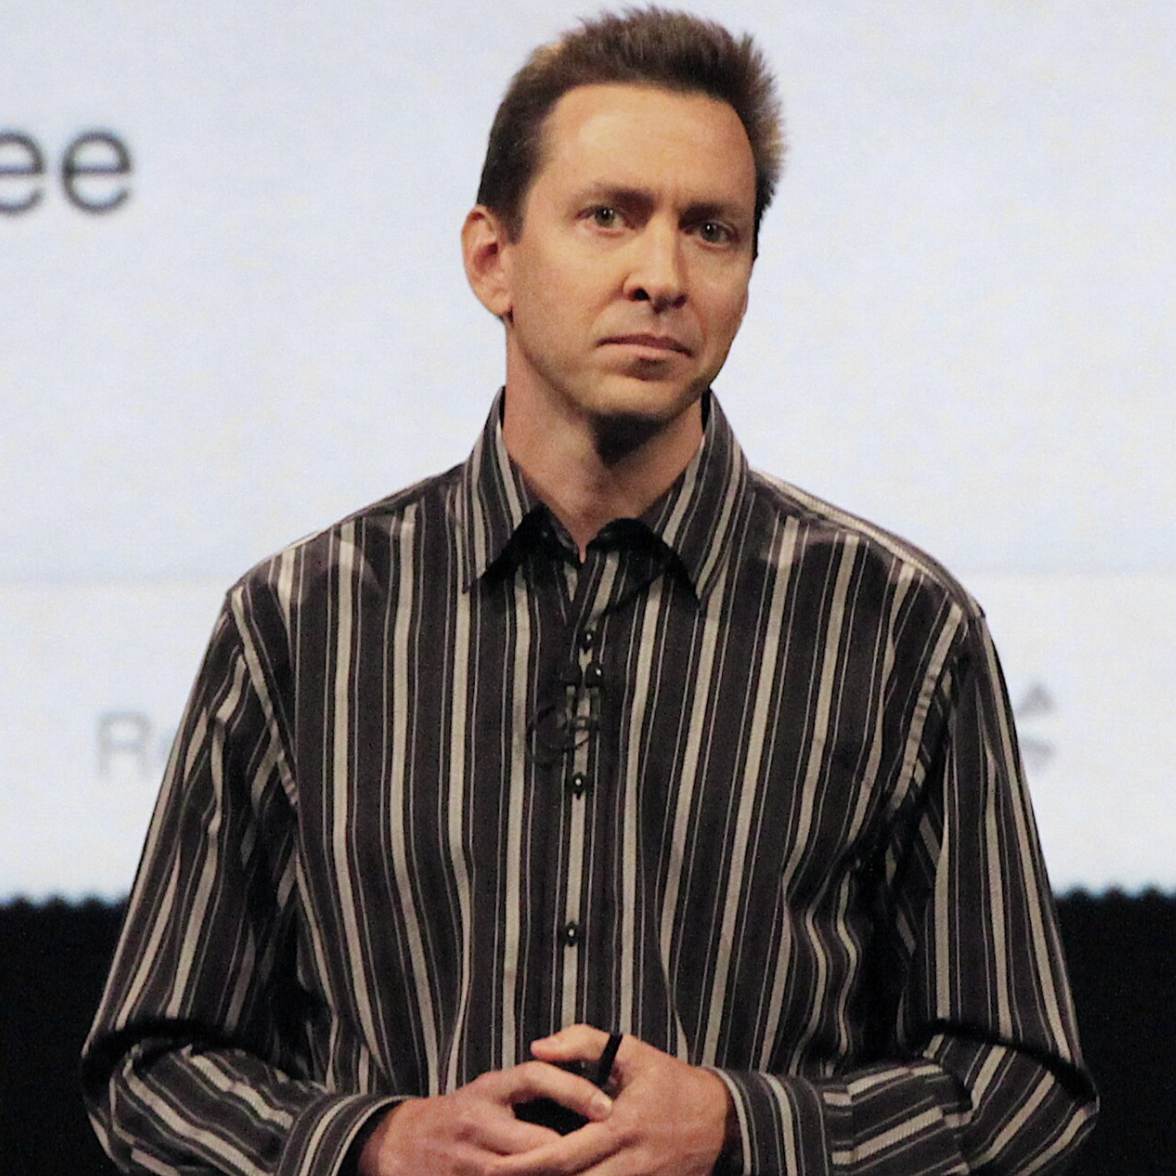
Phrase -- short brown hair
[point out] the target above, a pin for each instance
(650, 47)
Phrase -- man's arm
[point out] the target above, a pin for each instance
(200, 1057)
(197, 1058)
(974, 1057)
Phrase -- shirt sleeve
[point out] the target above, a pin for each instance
(978, 1068)
(198, 1060)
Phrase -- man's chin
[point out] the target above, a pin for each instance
(621, 425)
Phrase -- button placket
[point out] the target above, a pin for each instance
(572, 932)
(578, 782)
(591, 677)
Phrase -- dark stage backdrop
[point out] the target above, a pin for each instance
(1122, 953)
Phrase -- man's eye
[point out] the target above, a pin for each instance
(714, 233)
(606, 218)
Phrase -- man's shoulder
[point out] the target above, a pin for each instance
(822, 525)
(366, 533)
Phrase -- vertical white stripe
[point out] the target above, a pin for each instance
(998, 919)
(478, 522)
(198, 909)
(700, 712)
(684, 501)
(461, 606)
(874, 757)
(787, 1122)
(817, 758)
(1026, 841)
(314, 1140)
(994, 1057)
(257, 682)
(514, 506)
(340, 781)
(285, 586)
(942, 895)
(518, 668)
(630, 778)
(945, 911)
(784, 559)
(313, 927)
(864, 793)
(912, 771)
(732, 496)
(150, 952)
(400, 771)
(243, 965)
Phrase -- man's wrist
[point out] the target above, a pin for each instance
(730, 1158)
(353, 1163)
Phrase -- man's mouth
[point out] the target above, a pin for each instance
(663, 343)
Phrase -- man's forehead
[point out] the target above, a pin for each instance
(622, 132)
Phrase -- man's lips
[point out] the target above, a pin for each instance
(653, 342)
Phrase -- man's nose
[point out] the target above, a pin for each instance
(657, 274)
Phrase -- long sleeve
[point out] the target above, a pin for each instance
(198, 1060)
(982, 1071)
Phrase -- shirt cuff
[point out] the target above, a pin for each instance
(320, 1142)
(782, 1126)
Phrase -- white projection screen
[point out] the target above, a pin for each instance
(233, 310)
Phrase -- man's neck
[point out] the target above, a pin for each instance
(590, 473)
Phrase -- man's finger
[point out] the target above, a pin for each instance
(576, 1043)
(596, 1052)
(587, 1148)
(540, 1079)
(508, 1136)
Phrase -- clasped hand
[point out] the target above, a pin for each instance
(665, 1118)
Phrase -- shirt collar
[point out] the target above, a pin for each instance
(493, 500)
(695, 518)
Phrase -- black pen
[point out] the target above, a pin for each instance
(605, 1065)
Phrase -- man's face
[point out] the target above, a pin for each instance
(628, 280)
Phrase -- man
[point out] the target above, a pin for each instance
(597, 733)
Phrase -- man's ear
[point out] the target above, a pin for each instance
(484, 240)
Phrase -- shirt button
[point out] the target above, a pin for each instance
(593, 674)
(571, 934)
(588, 639)
(579, 783)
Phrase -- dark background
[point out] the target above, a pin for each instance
(1121, 951)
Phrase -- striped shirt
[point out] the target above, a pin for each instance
(743, 782)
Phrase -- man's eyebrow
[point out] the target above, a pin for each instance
(716, 210)
(626, 196)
